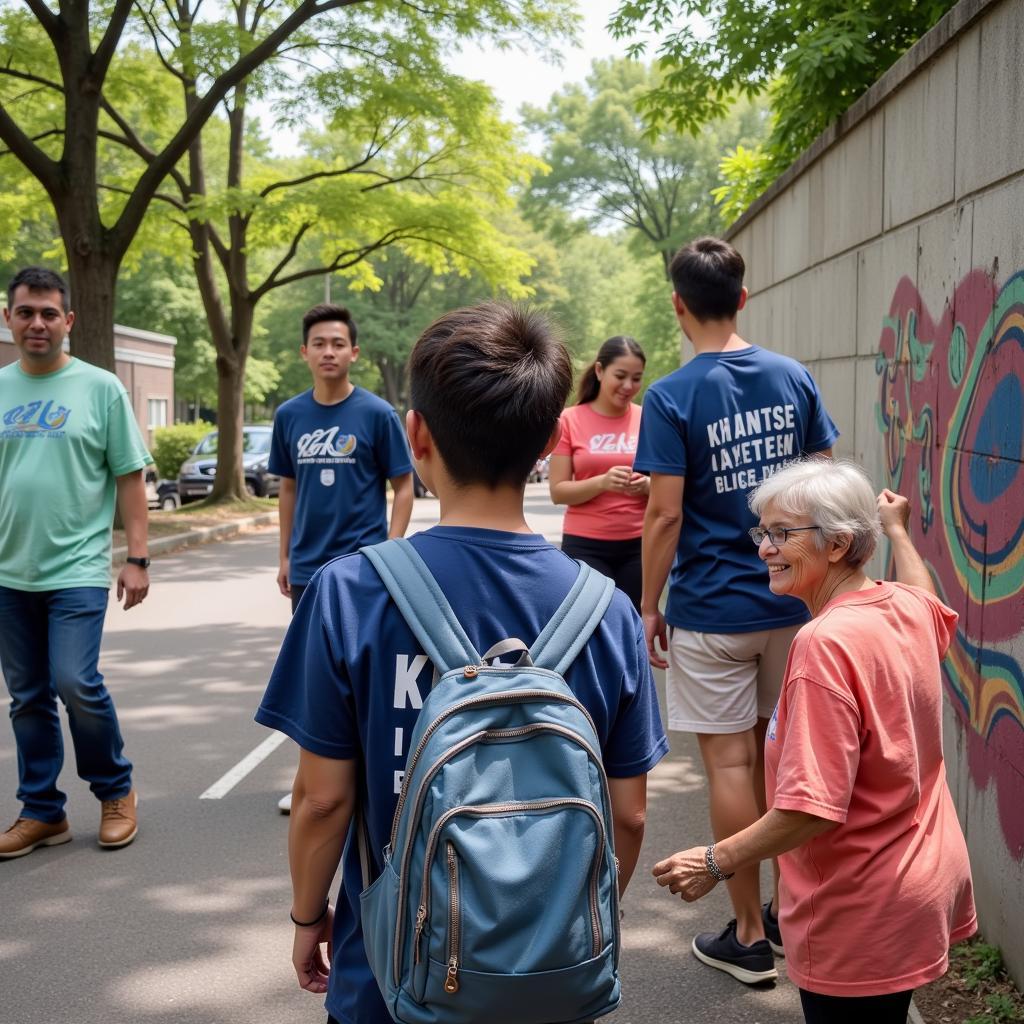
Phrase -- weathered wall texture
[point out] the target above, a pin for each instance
(890, 259)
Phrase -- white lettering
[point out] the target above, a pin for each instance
(399, 738)
(406, 673)
(399, 776)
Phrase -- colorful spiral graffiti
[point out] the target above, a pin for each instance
(951, 413)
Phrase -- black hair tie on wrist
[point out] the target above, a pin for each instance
(309, 924)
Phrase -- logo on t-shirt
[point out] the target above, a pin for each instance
(327, 477)
(763, 439)
(325, 445)
(37, 419)
(613, 444)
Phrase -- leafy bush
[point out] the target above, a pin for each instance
(173, 445)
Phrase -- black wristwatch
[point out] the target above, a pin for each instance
(142, 563)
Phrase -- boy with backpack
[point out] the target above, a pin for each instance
(495, 894)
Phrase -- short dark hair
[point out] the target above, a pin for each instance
(39, 279)
(325, 312)
(707, 275)
(491, 382)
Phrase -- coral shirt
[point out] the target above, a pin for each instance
(870, 907)
(596, 443)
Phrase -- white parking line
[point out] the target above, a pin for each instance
(229, 780)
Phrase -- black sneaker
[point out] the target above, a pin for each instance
(771, 929)
(751, 964)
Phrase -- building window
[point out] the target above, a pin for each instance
(157, 412)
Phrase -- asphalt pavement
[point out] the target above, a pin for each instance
(189, 925)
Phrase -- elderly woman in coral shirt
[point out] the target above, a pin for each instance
(875, 882)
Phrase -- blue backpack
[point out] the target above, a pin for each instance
(498, 898)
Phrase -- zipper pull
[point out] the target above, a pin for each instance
(421, 917)
(451, 983)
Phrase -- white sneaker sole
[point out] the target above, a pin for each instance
(739, 973)
(64, 837)
(776, 949)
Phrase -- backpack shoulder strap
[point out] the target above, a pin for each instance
(423, 606)
(573, 624)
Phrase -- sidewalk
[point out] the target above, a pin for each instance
(171, 531)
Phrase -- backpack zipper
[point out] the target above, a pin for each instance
(451, 983)
(496, 810)
(478, 737)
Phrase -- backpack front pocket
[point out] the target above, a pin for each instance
(512, 889)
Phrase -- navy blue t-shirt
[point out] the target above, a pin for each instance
(351, 678)
(340, 457)
(726, 421)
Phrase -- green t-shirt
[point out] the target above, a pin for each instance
(64, 437)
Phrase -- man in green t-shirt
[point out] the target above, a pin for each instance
(69, 444)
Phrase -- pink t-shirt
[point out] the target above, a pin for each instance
(872, 906)
(596, 443)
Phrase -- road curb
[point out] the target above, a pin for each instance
(914, 1016)
(203, 535)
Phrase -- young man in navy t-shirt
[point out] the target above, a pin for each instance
(488, 386)
(334, 447)
(711, 431)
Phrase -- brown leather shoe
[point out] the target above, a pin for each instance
(119, 823)
(27, 833)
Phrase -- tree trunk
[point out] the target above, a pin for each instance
(229, 482)
(93, 280)
(393, 378)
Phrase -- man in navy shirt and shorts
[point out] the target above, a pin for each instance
(335, 447)
(711, 431)
(488, 385)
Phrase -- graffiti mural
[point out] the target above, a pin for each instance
(951, 413)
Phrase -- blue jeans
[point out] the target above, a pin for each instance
(49, 648)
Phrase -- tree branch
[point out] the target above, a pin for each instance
(26, 76)
(24, 149)
(268, 284)
(52, 24)
(131, 216)
(35, 138)
(111, 37)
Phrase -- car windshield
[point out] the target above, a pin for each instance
(253, 442)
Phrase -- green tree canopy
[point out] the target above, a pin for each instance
(814, 58)
(608, 170)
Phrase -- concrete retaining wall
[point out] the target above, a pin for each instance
(890, 259)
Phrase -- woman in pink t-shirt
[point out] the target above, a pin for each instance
(875, 882)
(592, 467)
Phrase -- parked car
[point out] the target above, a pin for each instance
(162, 494)
(195, 479)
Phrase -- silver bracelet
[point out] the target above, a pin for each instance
(713, 869)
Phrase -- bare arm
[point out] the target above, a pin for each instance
(894, 513)
(686, 874)
(285, 519)
(133, 580)
(629, 817)
(401, 507)
(323, 804)
(662, 523)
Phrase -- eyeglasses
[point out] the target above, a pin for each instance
(778, 535)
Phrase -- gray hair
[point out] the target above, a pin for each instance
(837, 495)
